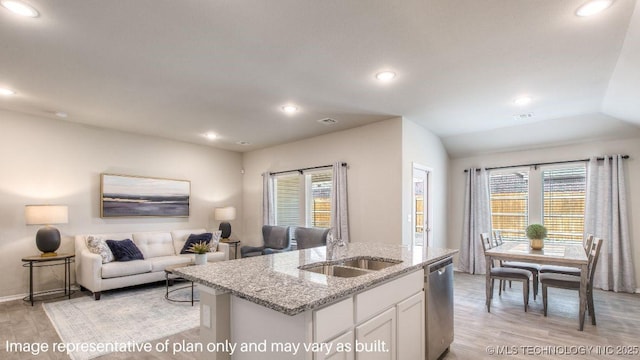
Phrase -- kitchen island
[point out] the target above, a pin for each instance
(266, 307)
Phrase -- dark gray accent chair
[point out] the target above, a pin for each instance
(310, 237)
(277, 239)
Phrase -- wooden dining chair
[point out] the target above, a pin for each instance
(505, 274)
(534, 268)
(566, 269)
(572, 282)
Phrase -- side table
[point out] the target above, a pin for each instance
(169, 271)
(39, 261)
(235, 246)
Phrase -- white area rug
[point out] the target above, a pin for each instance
(124, 316)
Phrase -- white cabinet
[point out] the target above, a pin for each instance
(341, 348)
(411, 331)
(375, 336)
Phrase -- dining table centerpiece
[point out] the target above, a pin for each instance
(536, 234)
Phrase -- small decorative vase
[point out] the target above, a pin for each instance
(201, 259)
(536, 244)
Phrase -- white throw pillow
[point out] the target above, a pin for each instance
(215, 240)
(97, 245)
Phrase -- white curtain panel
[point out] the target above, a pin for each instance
(268, 203)
(606, 218)
(477, 219)
(339, 208)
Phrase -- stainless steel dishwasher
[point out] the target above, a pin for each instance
(439, 307)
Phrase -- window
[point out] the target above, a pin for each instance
(553, 196)
(564, 202)
(510, 203)
(303, 199)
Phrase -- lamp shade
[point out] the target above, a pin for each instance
(46, 214)
(225, 213)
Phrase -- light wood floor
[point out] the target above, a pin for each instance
(507, 328)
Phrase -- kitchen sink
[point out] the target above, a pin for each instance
(334, 270)
(356, 266)
(369, 264)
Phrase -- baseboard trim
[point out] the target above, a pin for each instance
(22, 296)
(12, 298)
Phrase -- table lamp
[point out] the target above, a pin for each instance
(225, 214)
(48, 237)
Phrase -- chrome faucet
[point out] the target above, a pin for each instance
(336, 247)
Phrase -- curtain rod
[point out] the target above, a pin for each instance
(544, 163)
(304, 169)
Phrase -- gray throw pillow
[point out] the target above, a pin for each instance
(97, 245)
(215, 240)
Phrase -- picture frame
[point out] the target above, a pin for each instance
(138, 196)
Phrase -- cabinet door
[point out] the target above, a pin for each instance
(341, 348)
(411, 335)
(376, 338)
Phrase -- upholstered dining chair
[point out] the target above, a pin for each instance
(566, 269)
(534, 268)
(505, 274)
(572, 282)
(276, 239)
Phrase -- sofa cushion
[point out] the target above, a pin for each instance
(211, 257)
(153, 244)
(180, 236)
(195, 239)
(159, 263)
(98, 245)
(124, 250)
(118, 268)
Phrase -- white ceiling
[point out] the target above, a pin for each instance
(178, 69)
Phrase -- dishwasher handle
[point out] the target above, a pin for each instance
(441, 266)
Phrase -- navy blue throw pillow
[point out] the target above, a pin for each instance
(124, 250)
(194, 239)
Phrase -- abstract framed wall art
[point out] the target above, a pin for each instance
(125, 195)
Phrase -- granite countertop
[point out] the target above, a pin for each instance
(275, 281)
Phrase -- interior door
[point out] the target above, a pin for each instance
(421, 212)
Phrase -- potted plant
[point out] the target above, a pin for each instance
(200, 250)
(536, 234)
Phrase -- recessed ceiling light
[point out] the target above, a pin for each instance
(7, 92)
(20, 8)
(385, 75)
(593, 7)
(210, 136)
(523, 100)
(243, 143)
(290, 109)
(62, 114)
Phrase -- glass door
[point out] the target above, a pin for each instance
(421, 212)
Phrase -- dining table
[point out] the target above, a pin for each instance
(571, 255)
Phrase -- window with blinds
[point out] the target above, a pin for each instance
(564, 202)
(303, 199)
(287, 200)
(320, 196)
(510, 203)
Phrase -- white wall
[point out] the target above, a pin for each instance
(421, 146)
(629, 146)
(374, 155)
(52, 161)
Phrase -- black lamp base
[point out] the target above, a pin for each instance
(225, 227)
(48, 241)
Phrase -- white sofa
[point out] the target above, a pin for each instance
(160, 249)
